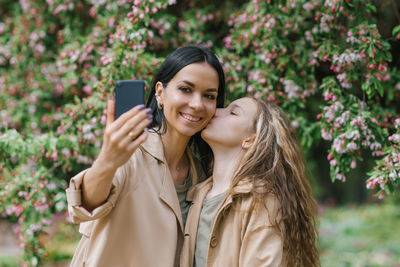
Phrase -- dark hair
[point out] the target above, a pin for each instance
(176, 61)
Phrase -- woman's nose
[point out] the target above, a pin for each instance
(196, 102)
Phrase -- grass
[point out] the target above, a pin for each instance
(363, 236)
(350, 236)
(8, 262)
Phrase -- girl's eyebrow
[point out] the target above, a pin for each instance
(234, 105)
(194, 86)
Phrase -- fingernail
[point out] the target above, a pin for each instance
(140, 107)
(150, 117)
(149, 111)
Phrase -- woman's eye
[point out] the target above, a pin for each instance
(184, 89)
(211, 97)
(233, 113)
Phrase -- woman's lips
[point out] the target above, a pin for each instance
(190, 118)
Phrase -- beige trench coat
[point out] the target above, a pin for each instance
(238, 238)
(140, 224)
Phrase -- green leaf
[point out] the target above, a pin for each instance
(371, 7)
(396, 31)
(379, 88)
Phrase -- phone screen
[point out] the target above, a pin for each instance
(128, 94)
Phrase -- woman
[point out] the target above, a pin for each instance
(257, 208)
(126, 202)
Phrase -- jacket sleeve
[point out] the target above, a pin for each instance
(261, 247)
(77, 212)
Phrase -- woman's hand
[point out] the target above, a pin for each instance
(121, 139)
(123, 136)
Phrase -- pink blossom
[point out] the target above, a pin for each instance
(371, 184)
(341, 177)
(103, 120)
(326, 135)
(92, 11)
(395, 138)
(375, 146)
(87, 89)
(377, 153)
(351, 146)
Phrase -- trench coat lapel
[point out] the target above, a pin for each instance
(167, 193)
(169, 196)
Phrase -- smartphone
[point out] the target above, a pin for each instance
(128, 94)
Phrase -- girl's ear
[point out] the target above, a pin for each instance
(248, 142)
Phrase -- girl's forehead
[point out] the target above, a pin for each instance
(244, 103)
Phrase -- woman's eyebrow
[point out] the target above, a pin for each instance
(194, 86)
(188, 83)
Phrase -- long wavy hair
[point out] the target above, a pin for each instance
(275, 165)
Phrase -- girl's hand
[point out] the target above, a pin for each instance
(123, 136)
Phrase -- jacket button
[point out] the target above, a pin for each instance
(213, 241)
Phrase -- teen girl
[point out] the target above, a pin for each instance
(257, 208)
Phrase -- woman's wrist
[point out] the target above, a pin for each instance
(104, 168)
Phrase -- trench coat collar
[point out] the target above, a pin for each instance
(154, 146)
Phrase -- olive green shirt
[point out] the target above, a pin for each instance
(181, 190)
(207, 217)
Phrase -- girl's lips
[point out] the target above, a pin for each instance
(189, 117)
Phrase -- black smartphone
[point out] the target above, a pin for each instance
(128, 94)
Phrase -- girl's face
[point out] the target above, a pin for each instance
(189, 101)
(232, 125)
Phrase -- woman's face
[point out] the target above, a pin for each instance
(190, 98)
(230, 126)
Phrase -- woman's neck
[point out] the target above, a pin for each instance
(174, 145)
(226, 161)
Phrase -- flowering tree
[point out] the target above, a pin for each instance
(324, 62)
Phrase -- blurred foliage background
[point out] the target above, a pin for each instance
(332, 65)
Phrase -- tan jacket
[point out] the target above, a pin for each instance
(238, 238)
(140, 224)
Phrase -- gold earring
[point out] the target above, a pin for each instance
(159, 105)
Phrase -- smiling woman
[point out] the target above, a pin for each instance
(131, 202)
